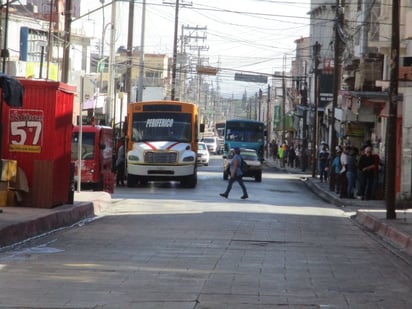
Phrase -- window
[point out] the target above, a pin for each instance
(162, 127)
(87, 151)
(33, 44)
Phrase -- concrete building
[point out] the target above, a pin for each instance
(362, 107)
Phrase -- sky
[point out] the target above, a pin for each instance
(249, 36)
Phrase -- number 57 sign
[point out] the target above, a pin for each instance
(26, 130)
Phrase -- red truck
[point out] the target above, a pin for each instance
(96, 151)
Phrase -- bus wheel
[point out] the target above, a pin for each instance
(131, 180)
(189, 181)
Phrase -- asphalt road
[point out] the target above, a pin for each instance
(164, 246)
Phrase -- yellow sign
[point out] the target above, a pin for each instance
(24, 148)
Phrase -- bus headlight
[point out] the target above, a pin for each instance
(133, 158)
(189, 159)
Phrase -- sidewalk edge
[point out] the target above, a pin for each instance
(327, 197)
(86, 205)
(60, 218)
(387, 232)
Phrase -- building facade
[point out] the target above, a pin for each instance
(361, 111)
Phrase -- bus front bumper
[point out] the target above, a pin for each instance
(161, 171)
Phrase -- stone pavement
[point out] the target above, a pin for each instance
(370, 214)
(20, 223)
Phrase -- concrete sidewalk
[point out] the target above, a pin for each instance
(370, 214)
(20, 223)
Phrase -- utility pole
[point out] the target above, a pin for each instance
(283, 111)
(336, 84)
(128, 83)
(174, 66)
(195, 36)
(5, 52)
(391, 143)
(316, 51)
(49, 39)
(66, 41)
(110, 108)
(304, 150)
(255, 107)
(99, 64)
(175, 51)
(141, 59)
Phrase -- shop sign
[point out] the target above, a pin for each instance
(354, 130)
(26, 130)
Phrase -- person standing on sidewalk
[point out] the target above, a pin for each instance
(281, 155)
(335, 169)
(324, 158)
(351, 172)
(274, 150)
(235, 175)
(342, 173)
(298, 153)
(291, 156)
(367, 165)
(120, 164)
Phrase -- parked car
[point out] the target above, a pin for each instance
(202, 154)
(212, 144)
(254, 166)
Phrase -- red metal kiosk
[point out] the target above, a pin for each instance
(38, 136)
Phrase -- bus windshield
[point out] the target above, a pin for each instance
(156, 126)
(245, 134)
(240, 133)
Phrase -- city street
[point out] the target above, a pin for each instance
(165, 246)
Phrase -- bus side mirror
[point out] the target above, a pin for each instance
(202, 128)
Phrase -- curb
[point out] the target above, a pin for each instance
(99, 200)
(87, 205)
(387, 232)
(324, 195)
(61, 217)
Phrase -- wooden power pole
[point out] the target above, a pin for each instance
(129, 53)
(66, 41)
(336, 84)
(316, 51)
(391, 143)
